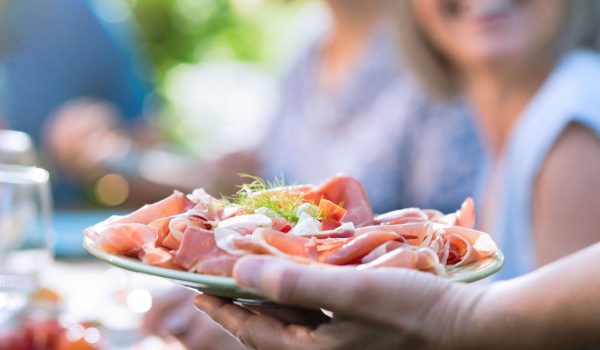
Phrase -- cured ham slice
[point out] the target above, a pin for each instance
(126, 239)
(380, 251)
(423, 259)
(350, 192)
(269, 241)
(170, 230)
(176, 203)
(198, 252)
(359, 247)
(158, 256)
(467, 245)
(402, 216)
(414, 233)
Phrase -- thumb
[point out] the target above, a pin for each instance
(393, 296)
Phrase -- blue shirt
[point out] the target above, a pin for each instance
(380, 128)
(56, 50)
(569, 95)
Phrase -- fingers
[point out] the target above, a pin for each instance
(254, 331)
(392, 296)
(203, 333)
(163, 306)
(291, 315)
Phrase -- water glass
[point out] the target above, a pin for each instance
(25, 234)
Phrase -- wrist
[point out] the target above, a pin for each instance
(501, 319)
(462, 320)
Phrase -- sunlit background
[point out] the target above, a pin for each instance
(212, 70)
(214, 66)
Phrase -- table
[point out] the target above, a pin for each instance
(93, 290)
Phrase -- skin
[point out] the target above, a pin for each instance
(353, 22)
(501, 64)
(171, 316)
(435, 314)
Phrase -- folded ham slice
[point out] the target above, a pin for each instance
(122, 238)
(198, 252)
(350, 192)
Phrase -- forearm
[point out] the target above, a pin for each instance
(556, 307)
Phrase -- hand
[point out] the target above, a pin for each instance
(373, 309)
(171, 315)
(83, 135)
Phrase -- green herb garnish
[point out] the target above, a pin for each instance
(276, 196)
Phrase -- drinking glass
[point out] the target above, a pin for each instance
(25, 234)
(16, 148)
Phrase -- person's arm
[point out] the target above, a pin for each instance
(566, 207)
(555, 307)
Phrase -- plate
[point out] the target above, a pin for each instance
(227, 288)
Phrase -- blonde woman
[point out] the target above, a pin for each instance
(531, 71)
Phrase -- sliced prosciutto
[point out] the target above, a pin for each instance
(198, 252)
(125, 239)
(350, 192)
(329, 224)
(360, 246)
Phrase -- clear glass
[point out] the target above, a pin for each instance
(16, 148)
(26, 244)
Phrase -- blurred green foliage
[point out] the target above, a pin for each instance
(189, 31)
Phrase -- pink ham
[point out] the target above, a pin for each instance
(281, 224)
(198, 252)
(176, 203)
(158, 256)
(349, 192)
(380, 251)
(163, 236)
(268, 241)
(169, 230)
(126, 239)
(402, 216)
(359, 247)
(407, 257)
(217, 263)
(414, 233)
(326, 246)
(465, 216)
(467, 245)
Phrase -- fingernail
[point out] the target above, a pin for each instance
(248, 270)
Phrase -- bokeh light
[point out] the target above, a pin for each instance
(112, 189)
(139, 300)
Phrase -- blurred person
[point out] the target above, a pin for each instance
(531, 70)
(71, 84)
(348, 106)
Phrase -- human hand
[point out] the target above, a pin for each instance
(171, 316)
(84, 134)
(372, 309)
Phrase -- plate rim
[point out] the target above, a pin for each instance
(228, 284)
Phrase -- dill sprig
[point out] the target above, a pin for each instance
(276, 196)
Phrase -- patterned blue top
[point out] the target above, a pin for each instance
(569, 95)
(381, 129)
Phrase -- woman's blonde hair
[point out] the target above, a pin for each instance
(581, 30)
